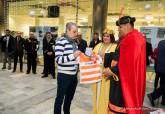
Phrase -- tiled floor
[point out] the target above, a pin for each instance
(30, 94)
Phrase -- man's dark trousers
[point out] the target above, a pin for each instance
(49, 65)
(31, 62)
(20, 55)
(161, 90)
(66, 88)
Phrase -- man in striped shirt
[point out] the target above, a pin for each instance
(66, 52)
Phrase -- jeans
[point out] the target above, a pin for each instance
(66, 86)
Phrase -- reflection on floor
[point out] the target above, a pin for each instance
(30, 94)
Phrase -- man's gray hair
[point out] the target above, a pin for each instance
(69, 25)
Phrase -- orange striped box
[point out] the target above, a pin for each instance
(90, 70)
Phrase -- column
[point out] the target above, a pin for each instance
(4, 20)
(100, 8)
(89, 31)
(4, 13)
(1, 14)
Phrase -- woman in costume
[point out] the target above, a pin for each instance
(116, 103)
(101, 89)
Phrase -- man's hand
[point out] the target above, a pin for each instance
(76, 53)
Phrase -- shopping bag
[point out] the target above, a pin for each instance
(90, 69)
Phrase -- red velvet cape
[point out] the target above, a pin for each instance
(132, 69)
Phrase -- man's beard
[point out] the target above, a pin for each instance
(119, 35)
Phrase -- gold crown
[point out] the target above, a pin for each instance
(108, 31)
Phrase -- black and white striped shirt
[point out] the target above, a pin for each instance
(64, 57)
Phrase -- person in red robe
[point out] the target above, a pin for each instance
(131, 65)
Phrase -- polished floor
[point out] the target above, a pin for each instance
(30, 94)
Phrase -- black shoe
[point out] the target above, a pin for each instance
(13, 71)
(44, 76)
(3, 68)
(151, 99)
(53, 76)
(27, 72)
(9, 68)
(21, 70)
(42, 73)
(163, 102)
(34, 73)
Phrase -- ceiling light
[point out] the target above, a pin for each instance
(2, 33)
(149, 18)
(147, 7)
(32, 13)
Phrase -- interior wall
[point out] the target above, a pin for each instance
(22, 23)
(1, 16)
(131, 7)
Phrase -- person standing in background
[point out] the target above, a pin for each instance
(160, 69)
(31, 47)
(82, 44)
(44, 55)
(95, 40)
(7, 48)
(154, 57)
(149, 52)
(19, 51)
(49, 55)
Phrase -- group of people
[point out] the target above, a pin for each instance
(17, 47)
(127, 61)
(122, 88)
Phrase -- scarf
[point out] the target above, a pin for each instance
(72, 42)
